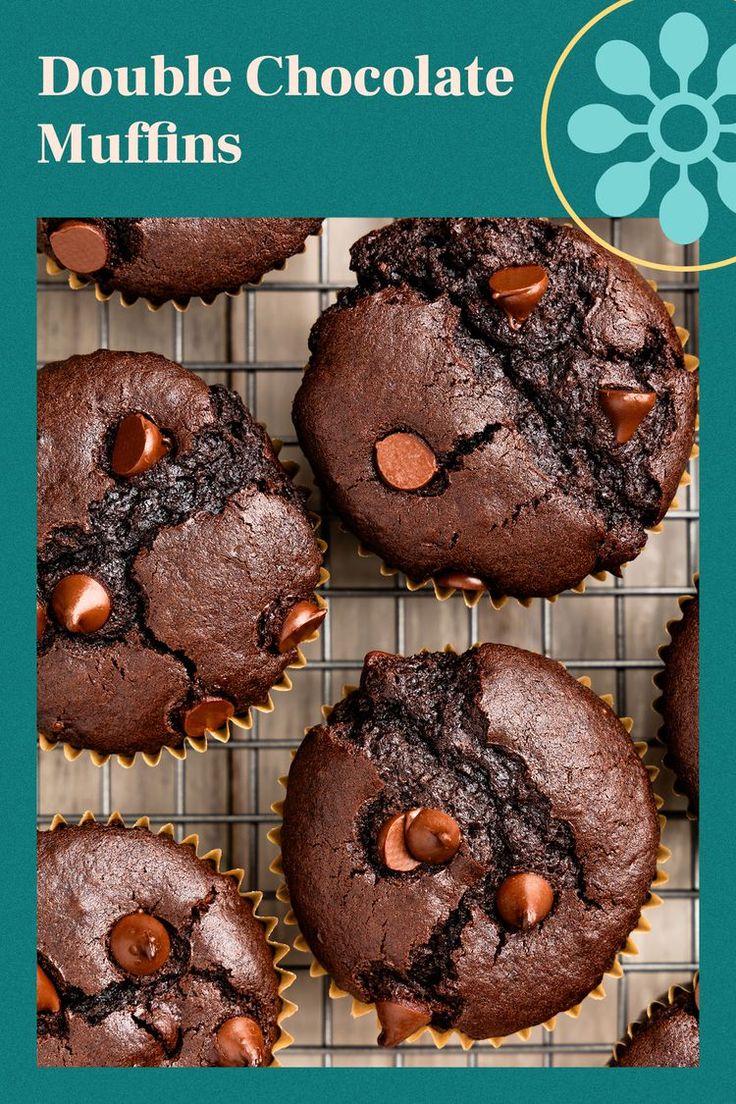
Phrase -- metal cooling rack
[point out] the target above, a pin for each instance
(322, 1022)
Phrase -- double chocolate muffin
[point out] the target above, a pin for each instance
(147, 956)
(176, 561)
(679, 683)
(668, 1034)
(173, 258)
(468, 841)
(498, 404)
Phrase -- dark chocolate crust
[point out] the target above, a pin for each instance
(540, 776)
(533, 493)
(668, 1035)
(679, 682)
(203, 555)
(177, 258)
(220, 963)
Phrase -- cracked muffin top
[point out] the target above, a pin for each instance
(173, 258)
(498, 404)
(468, 841)
(176, 561)
(667, 1035)
(679, 682)
(147, 956)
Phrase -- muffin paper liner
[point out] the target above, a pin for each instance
(78, 283)
(268, 923)
(472, 598)
(243, 721)
(442, 1038)
(657, 704)
(660, 1002)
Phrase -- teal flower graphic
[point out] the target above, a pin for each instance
(599, 128)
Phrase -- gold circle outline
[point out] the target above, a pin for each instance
(553, 177)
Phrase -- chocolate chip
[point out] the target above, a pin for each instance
(626, 410)
(139, 444)
(432, 836)
(140, 944)
(300, 622)
(80, 603)
(392, 845)
(405, 462)
(518, 290)
(207, 715)
(400, 1020)
(456, 580)
(80, 246)
(239, 1042)
(40, 620)
(47, 999)
(523, 900)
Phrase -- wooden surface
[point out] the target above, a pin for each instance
(273, 328)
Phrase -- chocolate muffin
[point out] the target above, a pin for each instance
(147, 956)
(679, 683)
(173, 258)
(176, 561)
(468, 841)
(668, 1034)
(513, 407)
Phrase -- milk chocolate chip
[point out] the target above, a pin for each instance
(300, 622)
(80, 246)
(239, 1042)
(523, 900)
(432, 836)
(80, 603)
(210, 714)
(47, 999)
(626, 410)
(140, 944)
(405, 462)
(420, 835)
(518, 290)
(400, 1020)
(392, 845)
(456, 580)
(139, 444)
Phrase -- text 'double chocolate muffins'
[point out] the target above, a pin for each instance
(147, 956)
(679, 704)
(173, 258)
(498, 404)
(468, 841)
(176, 561)
(668, 1034)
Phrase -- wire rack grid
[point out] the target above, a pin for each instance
(229, 805)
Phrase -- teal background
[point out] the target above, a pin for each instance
(336, 157)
